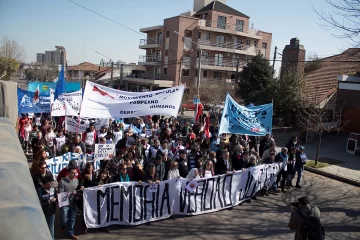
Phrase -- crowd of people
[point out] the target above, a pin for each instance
(160, 149)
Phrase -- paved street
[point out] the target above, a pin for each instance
(265, 218)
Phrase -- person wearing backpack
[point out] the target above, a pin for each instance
(305, 219)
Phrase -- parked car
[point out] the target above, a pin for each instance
(189, 106)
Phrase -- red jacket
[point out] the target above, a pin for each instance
(64, 173)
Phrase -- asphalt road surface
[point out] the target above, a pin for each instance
(265, 218)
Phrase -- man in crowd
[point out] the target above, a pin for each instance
(69, 185)
(77, 143)
(89, 138)
(223, 165)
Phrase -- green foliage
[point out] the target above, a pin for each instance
(256, 81)
(7, 67)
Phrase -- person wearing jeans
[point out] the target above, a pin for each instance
(69, 185)
(48, 198)
(299, 164)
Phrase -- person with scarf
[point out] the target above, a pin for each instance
(193, 174)
(123, 176)
(283, 158)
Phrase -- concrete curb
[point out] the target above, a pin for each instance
(333, 176)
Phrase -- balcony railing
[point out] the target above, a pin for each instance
(204, 80)
(151, 41)
(231, 45)
(220, 62)
(227, 26)
(145, 76)
(150, 58)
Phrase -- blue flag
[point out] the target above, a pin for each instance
(26, 103)
(60, 84)
(250, 120)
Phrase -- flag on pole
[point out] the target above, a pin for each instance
(36, 97)
(60, 84)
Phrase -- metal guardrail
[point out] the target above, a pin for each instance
(151, 41)
(227, 26)
(150, 58)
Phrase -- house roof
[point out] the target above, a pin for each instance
(86, 66)
(322, 82)
(220, 7)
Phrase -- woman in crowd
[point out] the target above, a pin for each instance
(103, 178)
(87, 177)
(123, 176)
(193, 174)
(208, 169)
(293, 143)
(174, 171)
(27, 131)
(150, 174)
(39, 156)
(37, 142)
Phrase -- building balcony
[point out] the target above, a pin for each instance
(219, 64)
(150, 43)
(150, 76)
(150, 60)
(230, 47)
(214, 26)
(204, 80)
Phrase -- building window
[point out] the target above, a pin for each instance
(196, 73)
(166, 52)
(188, 33)
(197, 53)
(205, 74)
(221, 22)
(217, 75)
(248, 42)
(167, 34)
(165, 70)
(207, 36)
(239, 25)
(199, 35)
(255, 43)
(264, 45)
(185, 72)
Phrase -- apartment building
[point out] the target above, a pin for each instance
(214, 33)
(56, 57)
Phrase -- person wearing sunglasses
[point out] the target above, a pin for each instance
(40, 174)
(123, 176)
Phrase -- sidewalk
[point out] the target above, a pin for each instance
(344, 166)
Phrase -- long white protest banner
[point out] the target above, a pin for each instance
(67, 104)
(77, 124)
(103, 102)
(135, 203)
(104, 151)
(56, 164)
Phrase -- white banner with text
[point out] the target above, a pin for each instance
(137, 203)
(104, 102)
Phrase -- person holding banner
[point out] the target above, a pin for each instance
(224, 164)
(69, 185)
(123, 175)
(87, 177)
(282, 157)
(150, 174)
(173, 171)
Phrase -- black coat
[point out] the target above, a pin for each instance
(83, 181)
(49, 209)
(183, 167)
(220, 166)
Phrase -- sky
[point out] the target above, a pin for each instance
(40, 25)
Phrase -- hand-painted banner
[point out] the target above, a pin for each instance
(104, 151)
(76, 124)
(104, 102)
(27, 104)
(56, 164)
(68, 104)
(251, 120)
(136, 203)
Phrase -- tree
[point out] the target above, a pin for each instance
(345, 18)
(316, 121)
(289, 94)
(256, 81)
(42, 73)
(11, 54)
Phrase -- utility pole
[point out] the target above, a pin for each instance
(112, 71)
(121, 75)
(275, 53)
(199, 73)
(180, 70)
(237, 69)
